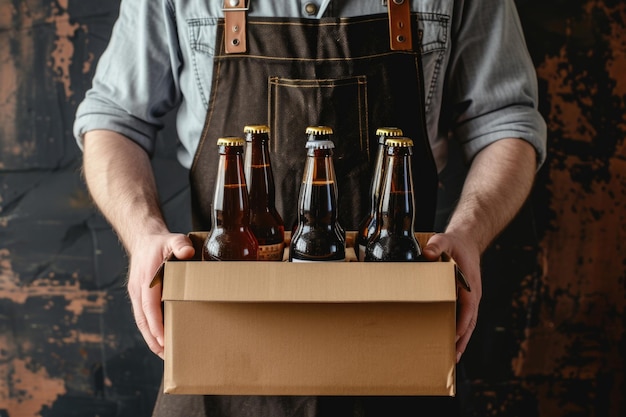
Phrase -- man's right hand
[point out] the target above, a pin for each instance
(120, 179)
(145, 259)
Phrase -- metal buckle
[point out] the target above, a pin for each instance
(235, 25)
(232, 5)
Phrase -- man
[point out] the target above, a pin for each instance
(459, 82)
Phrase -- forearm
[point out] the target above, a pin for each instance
(497, 185)
(120, 179)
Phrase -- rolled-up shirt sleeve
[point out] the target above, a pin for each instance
(493, 82)
(135, 82)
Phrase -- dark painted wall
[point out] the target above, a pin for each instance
(550, 340)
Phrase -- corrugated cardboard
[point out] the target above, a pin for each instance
(335, 328)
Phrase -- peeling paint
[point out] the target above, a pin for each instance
(8, 85)
(88, 63)
(78, 299)
(26, 387)
(580, 324)
(61, 57)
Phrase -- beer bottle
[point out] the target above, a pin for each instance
(266, 224)
(317, 237)
(230, 238)
(325, 133)
(394, 237)
(368, 224)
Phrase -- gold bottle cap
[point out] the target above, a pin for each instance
(389, 131)
(400, 142)
(256, 129)
(319, 130)
(231, 141)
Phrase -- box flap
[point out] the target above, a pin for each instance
(309, 282)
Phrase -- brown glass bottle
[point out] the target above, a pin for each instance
(394, 237)
(316, 236)
(368, 224)
(230, 238)
(325, 133)
(265, 221)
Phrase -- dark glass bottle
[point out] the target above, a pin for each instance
(265, 221)
(368, 224)
(394, 237)
(317, 237)
(230, 238)
(325, 133)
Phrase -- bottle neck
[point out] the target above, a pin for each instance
(377, 177)
(230, 202)
(258, 171)
(319, 166)
(396, 204)
(318, 192)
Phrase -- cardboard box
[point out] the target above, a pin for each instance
(336, 328)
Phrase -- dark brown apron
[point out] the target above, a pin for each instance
(334, 72)
(296, 73)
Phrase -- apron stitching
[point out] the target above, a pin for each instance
(317, 83)
(362, 90)
(211, 109)
(321, 60)
(343, 21)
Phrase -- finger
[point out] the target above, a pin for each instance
(142, 322)
(182, 248)
(466, 323)
(151, 306)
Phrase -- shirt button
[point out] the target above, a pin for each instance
(310, 9)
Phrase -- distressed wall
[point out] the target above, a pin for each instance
(68, 344)
(573, 352)
(550, 340)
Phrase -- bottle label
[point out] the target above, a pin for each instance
(271, 252)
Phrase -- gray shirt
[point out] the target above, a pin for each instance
(480, 82)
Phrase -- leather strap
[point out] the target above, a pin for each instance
(400, 38)
(399, 11)
(235, 26)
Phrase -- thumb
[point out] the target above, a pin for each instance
(182, 248)
(434, 248)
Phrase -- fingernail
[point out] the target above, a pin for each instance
(160, 340)
(457, 338)
(458, 356)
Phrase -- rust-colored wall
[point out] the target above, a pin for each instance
(572, 356)
(551, 333)
(68, 343)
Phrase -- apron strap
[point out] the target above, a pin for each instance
(399, 25)
(399, 11)
(235, 25)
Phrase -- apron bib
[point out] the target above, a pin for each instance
(334, 72)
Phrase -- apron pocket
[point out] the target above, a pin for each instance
(339, 103)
